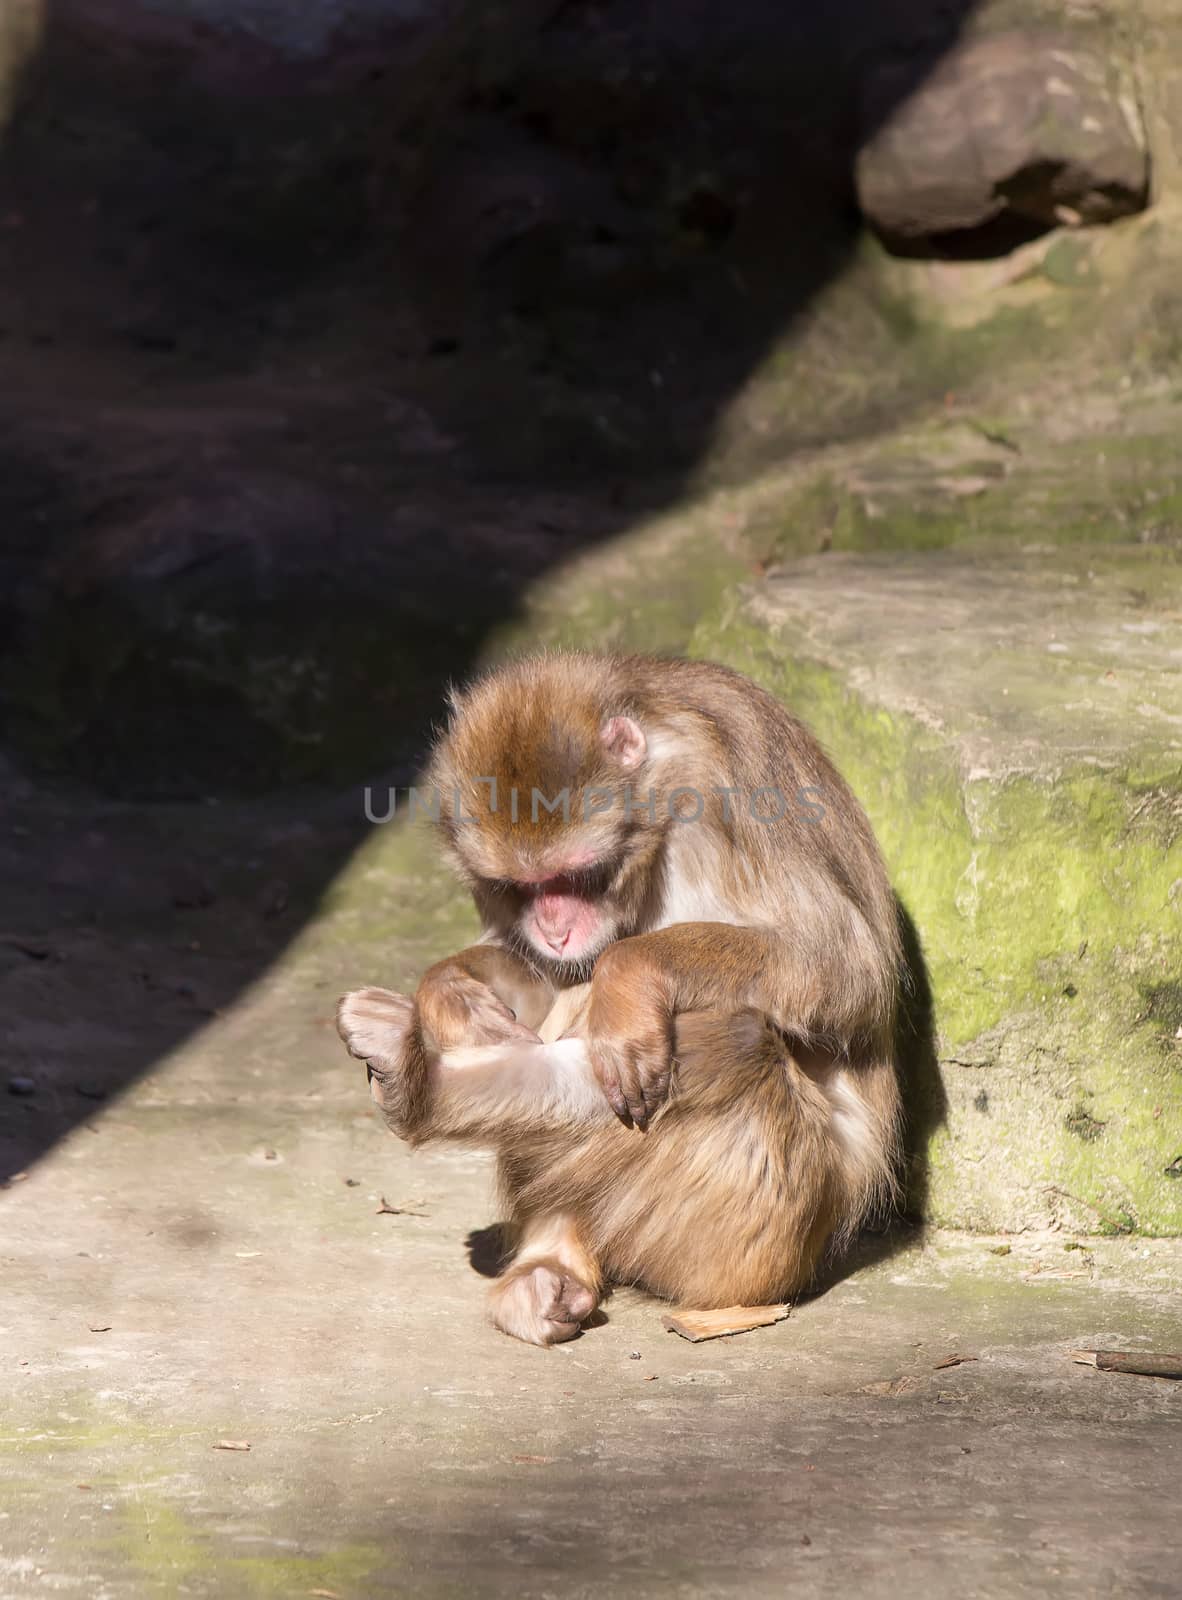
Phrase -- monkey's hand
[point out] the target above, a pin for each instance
(630, 1033)
(455, 1008)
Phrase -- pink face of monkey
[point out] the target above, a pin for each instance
(562, 917)
(555, 871)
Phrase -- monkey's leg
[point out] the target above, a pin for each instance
(553, 1285)
(480, 1093)
(382, 1029)
(492, 1094)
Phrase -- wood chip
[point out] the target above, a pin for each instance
(232, 1444)
(698, 1325)
(952, 1361)
(99, 1327)
(1141, 1362)
(325, 1594)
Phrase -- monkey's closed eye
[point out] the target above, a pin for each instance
(501, 885)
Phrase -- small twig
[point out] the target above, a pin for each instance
(1143, 1363)
(387, 1210)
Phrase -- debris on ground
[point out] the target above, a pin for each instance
(890, 1387)
(1141, 1362)
(232, 1444)
(698, 1325)
(952, 1361)
(385, 1209)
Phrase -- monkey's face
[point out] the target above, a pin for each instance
(555, 848)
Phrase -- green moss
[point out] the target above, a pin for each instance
(963, 481)
(1111, 1226)
(644, 591)
(169, 1552)
(1069, 262)
(1019, 892)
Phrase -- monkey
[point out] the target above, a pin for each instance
(676, 1030)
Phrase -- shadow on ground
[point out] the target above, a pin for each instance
(292, 422)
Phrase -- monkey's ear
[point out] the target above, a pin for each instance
(624, 739)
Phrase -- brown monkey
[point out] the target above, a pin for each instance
(676, 1030)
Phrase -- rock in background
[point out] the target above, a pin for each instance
(1011, 132)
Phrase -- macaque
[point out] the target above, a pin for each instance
(676, 1029)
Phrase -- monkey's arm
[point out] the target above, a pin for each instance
(642, 983)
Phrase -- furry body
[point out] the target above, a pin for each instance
(743, 965)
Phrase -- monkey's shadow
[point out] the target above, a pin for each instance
(925, 1109)
(490, 1249)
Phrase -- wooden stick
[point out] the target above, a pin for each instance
(698, 1325)
(1143, 1363)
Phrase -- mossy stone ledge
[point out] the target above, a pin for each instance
(1013, 723)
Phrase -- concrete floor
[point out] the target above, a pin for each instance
(202, 1260)
(190, 1244)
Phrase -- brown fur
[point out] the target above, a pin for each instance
(742, 1002)
(731, 1196)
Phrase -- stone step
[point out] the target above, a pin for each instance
(1013, 724)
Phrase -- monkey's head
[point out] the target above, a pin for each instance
(547, 790)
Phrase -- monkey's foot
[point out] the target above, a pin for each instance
(374, 1023)
(541, 1302)
(378, 1027)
